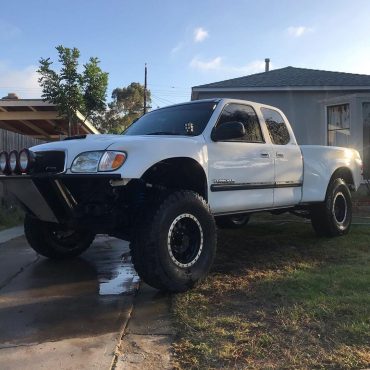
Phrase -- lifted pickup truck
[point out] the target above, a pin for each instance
(170, 178)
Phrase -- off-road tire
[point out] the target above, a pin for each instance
(333, 217)
(151, 247)
(232, 221)
(41, 236)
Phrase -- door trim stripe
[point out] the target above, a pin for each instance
(254, 186)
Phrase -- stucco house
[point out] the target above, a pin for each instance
(324, 108)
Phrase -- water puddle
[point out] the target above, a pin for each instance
(116, 274)
(125, 281)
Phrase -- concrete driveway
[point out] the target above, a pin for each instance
(67, 314)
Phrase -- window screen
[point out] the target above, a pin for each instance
(278, 131)
(247, 116)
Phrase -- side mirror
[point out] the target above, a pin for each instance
(228, 131)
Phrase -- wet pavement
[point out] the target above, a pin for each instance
(66, 314)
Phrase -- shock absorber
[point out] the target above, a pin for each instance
(139, 195)
(136, 200)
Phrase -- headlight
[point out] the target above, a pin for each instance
(14, 161)
(86, 162)
(98, 161)
(4, 162)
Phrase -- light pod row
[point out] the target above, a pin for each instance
(16, 163)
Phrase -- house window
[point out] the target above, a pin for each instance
(366, 138)
(338, 118)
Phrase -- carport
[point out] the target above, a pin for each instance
(39, 119)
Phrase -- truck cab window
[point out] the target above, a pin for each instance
(247, 116)
(277, 128)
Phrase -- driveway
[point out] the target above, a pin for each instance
(67, 314)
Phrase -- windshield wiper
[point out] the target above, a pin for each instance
(162, 133)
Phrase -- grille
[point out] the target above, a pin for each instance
(49, 162)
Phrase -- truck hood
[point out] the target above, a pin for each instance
(92, 142)
(142, 150)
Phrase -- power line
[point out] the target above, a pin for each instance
(163, 100)
(172, 86)
(169, 93)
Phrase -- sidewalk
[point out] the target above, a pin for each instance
(12, 233)
(147, 340)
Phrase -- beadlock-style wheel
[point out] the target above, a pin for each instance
(333, 217)
(185, 240)
(340, 208)
(53, 241)
(174, 243)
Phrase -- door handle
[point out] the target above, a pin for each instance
(279, 155)
(265, 155)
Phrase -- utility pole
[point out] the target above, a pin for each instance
(145, 86)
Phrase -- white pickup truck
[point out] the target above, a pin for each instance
(170, 178)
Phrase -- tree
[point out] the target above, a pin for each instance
(71, 90)
(126, 107)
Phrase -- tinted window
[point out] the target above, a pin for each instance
(185, 119)
(278, 131)
(247, 116)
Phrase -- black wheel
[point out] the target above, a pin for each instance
(53, 241)
(232, 222)
(333, 217)
(175, 246)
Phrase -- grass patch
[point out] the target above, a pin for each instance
(279, 297)
(10, 216)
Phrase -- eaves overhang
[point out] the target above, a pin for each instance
(282, 88)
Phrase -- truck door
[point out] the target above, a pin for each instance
(241, 171)
(288, 159)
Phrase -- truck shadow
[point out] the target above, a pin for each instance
(265, 244)
(53, 300)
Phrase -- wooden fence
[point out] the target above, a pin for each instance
(10, 141)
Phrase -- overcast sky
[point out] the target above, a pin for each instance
(185, 43)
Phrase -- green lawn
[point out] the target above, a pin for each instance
(278, 297)
(10, 216)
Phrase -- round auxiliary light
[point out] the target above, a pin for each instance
(26, 160)
(14, 161)
(4, 162)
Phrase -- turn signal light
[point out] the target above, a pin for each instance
(111, 161)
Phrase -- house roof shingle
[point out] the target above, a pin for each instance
(293, 77)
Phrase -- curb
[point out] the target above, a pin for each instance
(12, 233)
(147, 337)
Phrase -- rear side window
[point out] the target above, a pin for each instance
(278, 131)
(247, 116)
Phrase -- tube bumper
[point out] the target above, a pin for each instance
(44, 195)
(30, 198)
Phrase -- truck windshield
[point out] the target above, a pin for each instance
(186, 119)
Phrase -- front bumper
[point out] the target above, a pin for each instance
(46, 196)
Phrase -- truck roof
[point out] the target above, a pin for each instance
(218, 100)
